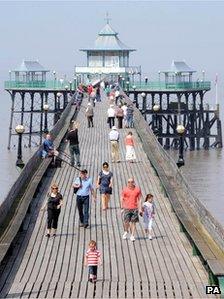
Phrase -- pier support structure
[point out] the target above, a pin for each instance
(202, 124)
(27, 109)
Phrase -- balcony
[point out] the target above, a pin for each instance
(162, 86)
(48, 85)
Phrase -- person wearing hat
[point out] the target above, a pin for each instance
(111, 116)
(89, 115)
(114, 138)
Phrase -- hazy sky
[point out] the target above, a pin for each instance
(53, 31)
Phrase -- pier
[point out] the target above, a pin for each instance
(166, 267)
(186, 253)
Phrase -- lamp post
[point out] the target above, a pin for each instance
(10, 75)
(61, 81)
(159, 76)
(146, 80)
(46, 108)
(75, 83)
(57, 107)
(123, 79)
(127, 85)
(143, 95)
(180, 130)
(155, 129)
(70, 85)
(19, 130)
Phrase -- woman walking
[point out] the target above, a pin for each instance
(53, 203)
(104, 183)
(130, 151)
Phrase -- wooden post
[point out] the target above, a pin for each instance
(31, 118)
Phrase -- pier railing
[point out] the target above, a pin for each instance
(159, 85)
(16, 204)
(170, 174)
(49, 85)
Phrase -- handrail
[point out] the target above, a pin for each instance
(178, 181)
(18, 189)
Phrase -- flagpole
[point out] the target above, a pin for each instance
(216, 90)
(216, 96)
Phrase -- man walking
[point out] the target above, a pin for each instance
(84, 183)
(114, 138)
(73, 139)
(130, 208)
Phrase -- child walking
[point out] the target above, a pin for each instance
(148, 215)
(92, 260)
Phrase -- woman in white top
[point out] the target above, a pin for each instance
(111, 116)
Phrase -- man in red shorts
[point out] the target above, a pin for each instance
(130, 208)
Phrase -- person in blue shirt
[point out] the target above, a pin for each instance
(84, 183)
(48, 147)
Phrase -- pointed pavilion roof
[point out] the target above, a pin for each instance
(179, 67)
(30, 66)
(107, 40)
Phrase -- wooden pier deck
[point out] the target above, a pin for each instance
(53, 268)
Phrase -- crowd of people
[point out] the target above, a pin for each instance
(131, 195)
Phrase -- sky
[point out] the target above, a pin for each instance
(161, 31)
(52, 32)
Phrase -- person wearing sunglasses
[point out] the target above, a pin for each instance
(53, 203)
(104, 183)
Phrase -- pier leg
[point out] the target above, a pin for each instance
(191, 137)
(31, 119)
(11, 119)
(22, 108)
(41, 116)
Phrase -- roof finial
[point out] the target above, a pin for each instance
(107, 18)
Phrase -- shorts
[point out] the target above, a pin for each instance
(131, 215)
(148, 223)
(93, 270)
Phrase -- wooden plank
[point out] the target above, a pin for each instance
(137, 289)
(75, 289)
(90, 290)
(43, 290)
(99, 289)
(153, 290)
(121, 289)
(145, 290)
(114, 286)
(67, 290)
(60, 289)
(83, 289)
(16, 290)
(106, 289)
(51, 289)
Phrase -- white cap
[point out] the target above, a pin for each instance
(89, 104)
(114, 128)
